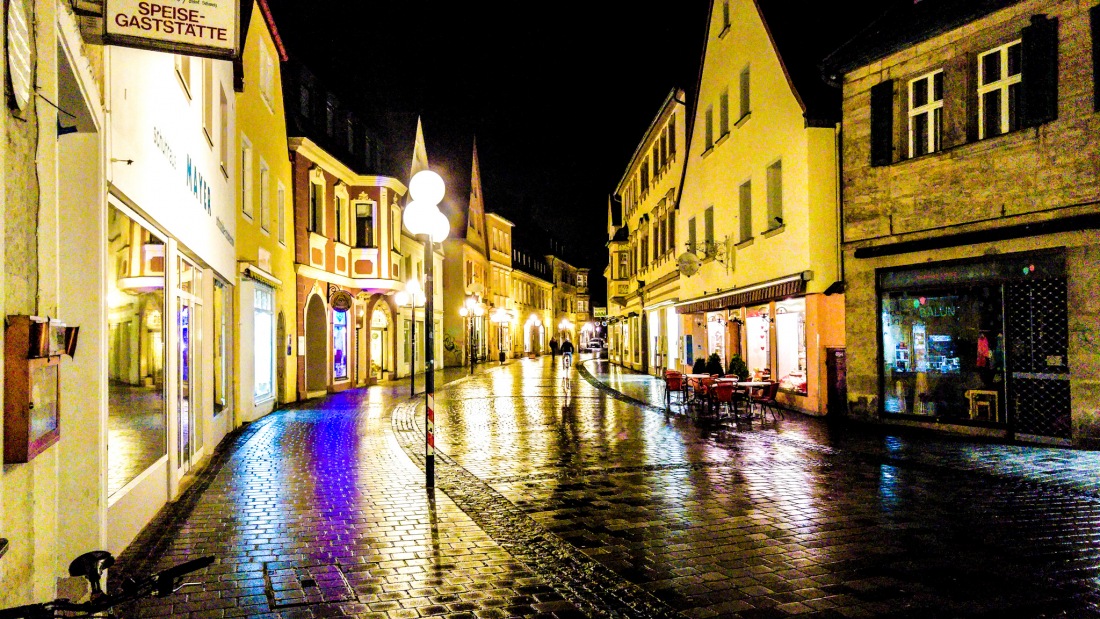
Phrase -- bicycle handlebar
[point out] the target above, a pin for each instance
(166, 580)
(162, 584)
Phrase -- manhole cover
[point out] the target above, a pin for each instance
(299, 586)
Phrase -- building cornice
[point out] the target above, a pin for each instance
(362, 283)
(318, 155)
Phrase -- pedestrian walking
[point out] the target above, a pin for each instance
(553, 348)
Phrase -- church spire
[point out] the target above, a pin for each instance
(475, 220)
(420, 152)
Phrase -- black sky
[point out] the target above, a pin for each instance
(557, 94)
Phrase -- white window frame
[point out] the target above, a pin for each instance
(246, 177)
(224, 146)
(723, 113)
(1002, 84)
(774, 175)
(280, 215)
(316, 205)
(744, 206)
(267, 78)
(744, 82)
(933, 108)
(183, 72)
(261, 294)
(208, 101)
(709, 129)
(265, 196)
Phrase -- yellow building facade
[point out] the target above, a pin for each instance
(643, 278)
(265, 329)
(759, 211)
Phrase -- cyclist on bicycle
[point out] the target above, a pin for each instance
(566, 353)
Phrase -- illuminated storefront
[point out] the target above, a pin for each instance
(779, 330)
(980, 343)
(171, 269)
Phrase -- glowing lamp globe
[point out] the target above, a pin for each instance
(401, 298)
(427, 187)
(440, 227)
(418, 217)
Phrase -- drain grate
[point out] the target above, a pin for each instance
(300, 586)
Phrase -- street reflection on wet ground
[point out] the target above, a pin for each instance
(557, 498)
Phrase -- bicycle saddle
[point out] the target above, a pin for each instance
(90, 565)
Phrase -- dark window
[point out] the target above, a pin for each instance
(672, 137)
(1039, 69)
(1094, 16)
(882, 123)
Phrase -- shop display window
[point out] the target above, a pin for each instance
(136, 405)
(340, 345)
(943, 354)
(758, 342)
(790, 345)
(716, 335)
(264, 343)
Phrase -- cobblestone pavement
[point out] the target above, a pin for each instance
(562, 494)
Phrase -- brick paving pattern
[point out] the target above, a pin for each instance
(563, 494)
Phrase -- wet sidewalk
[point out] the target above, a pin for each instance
(1070, 470)
(558, 497)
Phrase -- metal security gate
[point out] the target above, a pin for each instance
(1037, 329)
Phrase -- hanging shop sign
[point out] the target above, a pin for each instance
(341, 300)
(191, 27)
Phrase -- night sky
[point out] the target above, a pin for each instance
(558, 94)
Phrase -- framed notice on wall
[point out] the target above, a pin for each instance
(192, 27)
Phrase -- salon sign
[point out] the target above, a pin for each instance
(192, 27)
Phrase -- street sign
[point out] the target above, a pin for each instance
(599, 312)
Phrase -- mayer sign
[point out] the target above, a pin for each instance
(195, 27)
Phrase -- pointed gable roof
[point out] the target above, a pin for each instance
(475, 211)
(803, 34)
(420, 151)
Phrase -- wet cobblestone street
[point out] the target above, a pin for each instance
(563, 495)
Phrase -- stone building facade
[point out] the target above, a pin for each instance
(971, 200)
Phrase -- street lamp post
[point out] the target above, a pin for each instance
(424, 219)
(412, 297)
(471, 310)
(500, 316)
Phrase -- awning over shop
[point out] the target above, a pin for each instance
(749, 295)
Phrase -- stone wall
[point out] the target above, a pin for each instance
(1027, 176)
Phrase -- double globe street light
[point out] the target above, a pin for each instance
(500, 317)
(426, 222)
(471, 310)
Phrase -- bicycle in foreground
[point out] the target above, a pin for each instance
(91, 566)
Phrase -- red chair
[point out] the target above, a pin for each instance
(722, 394)
(764, 399)
(704, 389)
(674, 383)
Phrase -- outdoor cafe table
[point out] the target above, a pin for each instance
(692, 380)
(748, 384)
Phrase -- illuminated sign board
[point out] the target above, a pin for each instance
(599, 312)
(192, 27)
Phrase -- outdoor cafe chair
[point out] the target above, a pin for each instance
(674, 383)
(763, 399)
(724, 394)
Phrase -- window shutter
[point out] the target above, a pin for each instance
(1039, 71)
(1094, 17)
(882, 123)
